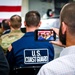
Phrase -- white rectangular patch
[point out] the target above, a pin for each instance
(36, 56)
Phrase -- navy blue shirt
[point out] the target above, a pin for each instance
(27, 50)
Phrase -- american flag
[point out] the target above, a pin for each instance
(9, 8)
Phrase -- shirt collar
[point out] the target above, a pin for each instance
(68, 51)
(29, 33)
(14, 31)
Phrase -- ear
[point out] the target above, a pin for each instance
(64, 27)
(9, 23)
(24, 23)
(39, 24)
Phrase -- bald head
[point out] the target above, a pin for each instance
(15, 21)
(67, 15)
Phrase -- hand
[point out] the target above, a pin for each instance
(58, 43)
(10, 48)
(56, 31)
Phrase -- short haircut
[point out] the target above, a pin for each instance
(15, 21)
(5, 24)
(67, 15)
(32, 18)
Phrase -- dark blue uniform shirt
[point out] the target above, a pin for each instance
(27, 51)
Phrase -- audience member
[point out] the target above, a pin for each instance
(4, 66)
(0, 33)
(65, 64)
(5, 26)
(27, 51)
(15, 33)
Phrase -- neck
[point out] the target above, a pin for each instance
(70, 40)
(12, 29)
(30, 29)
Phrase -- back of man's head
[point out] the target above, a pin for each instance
(32, 18)
(67, 15)
(67, 28)
(15, 21)
(5, 24)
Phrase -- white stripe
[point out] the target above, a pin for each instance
(8, 14)
(10, 2)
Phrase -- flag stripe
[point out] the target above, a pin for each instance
(8, 15)
(10, 8)
(11, 2)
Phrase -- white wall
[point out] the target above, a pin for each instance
(41, 7)
(25, 7)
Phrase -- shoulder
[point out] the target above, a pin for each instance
(4, 36)
(49, 68)
(57, 66)
(16, 34)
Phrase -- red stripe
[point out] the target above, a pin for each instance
(10, 8)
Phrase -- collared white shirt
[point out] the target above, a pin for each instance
(64, 65)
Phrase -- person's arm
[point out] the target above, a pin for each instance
(10, 58)
(4, 66)
(58, 43)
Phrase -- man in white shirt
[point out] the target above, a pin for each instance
(65, 64)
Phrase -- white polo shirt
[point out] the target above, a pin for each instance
(64, 65)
